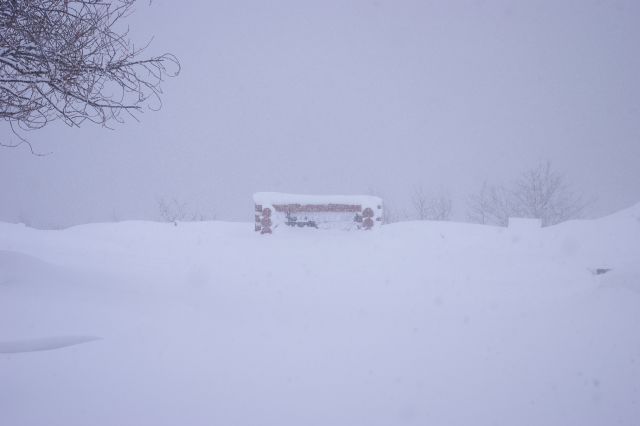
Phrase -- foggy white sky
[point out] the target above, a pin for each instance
(350, 96)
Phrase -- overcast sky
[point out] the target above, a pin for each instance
(352, 97)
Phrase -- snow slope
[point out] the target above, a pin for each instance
(141, 323)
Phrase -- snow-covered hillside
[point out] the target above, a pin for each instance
(425, 323)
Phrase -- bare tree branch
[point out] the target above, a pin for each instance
(64, 60)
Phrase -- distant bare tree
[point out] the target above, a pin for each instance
(428, 207)
(539, 192)
(175, 210)
(115, 217)
(392, 215)
(492, 205)
(420, 202)
(543, 193)
(69, 60)
(172, 211)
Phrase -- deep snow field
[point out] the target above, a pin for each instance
(426, 323)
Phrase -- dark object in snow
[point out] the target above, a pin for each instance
(600, 271)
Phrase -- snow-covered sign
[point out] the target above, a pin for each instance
(274, 209)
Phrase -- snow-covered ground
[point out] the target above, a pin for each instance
(426, 323)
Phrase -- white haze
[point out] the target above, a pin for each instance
(352, 97)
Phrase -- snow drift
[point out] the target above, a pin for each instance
(414, 323)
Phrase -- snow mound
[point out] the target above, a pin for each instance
(43, 344)
(18, 268)
(629, 216)
(418, 323)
